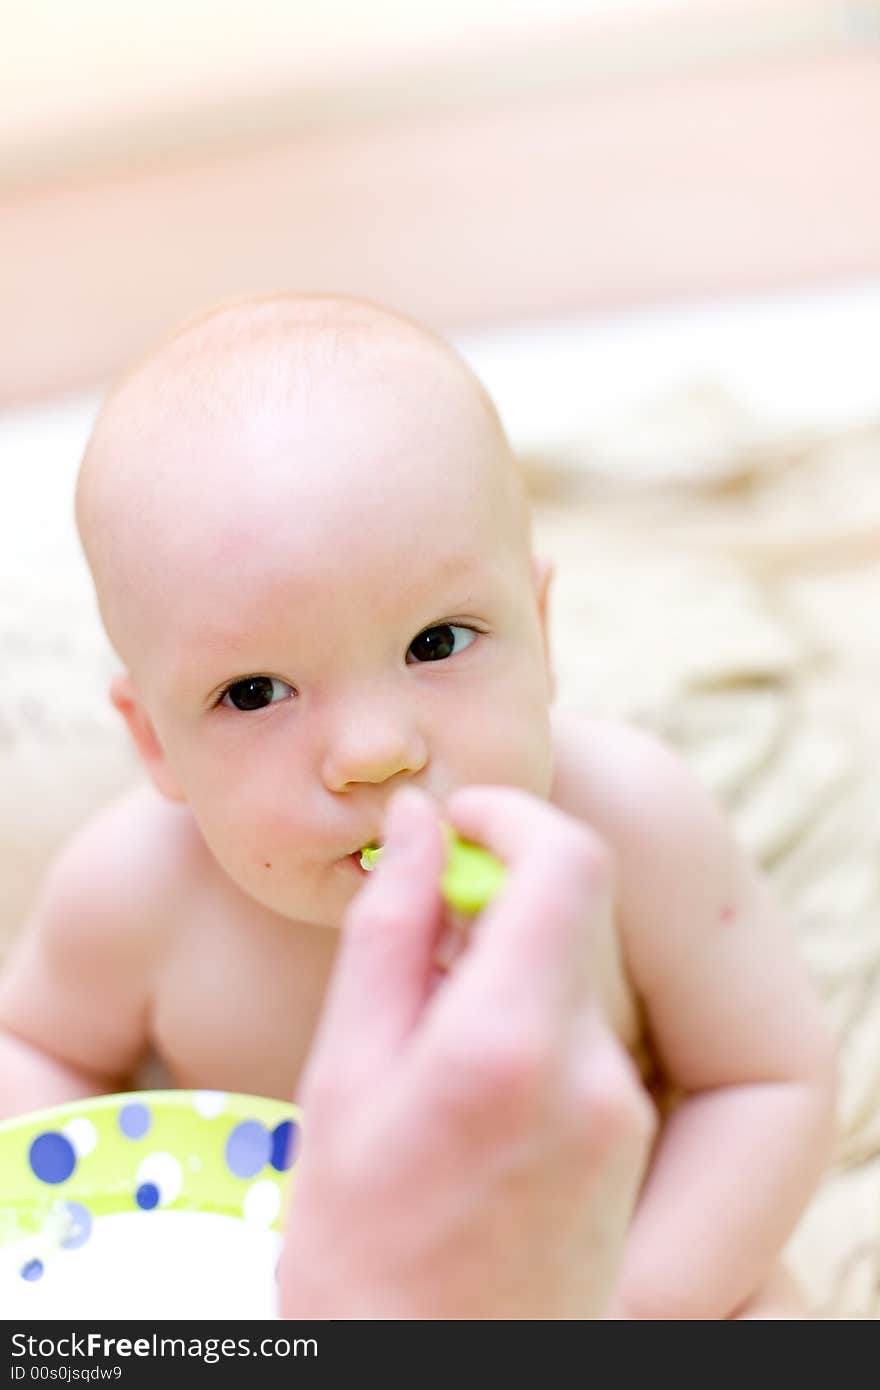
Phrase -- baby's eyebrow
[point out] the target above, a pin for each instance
(224, 660)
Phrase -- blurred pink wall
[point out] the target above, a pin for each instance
(678, 185)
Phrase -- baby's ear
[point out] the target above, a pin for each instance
(543, 572)
(124, 696)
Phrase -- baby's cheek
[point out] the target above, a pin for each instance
(511, 763)
(271, 842)
(243, 837)
(511, 746)
(288, 825)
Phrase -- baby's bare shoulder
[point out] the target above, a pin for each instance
(622, 779)
(702, 937)
(671, 842)
(81, 978)
(114, 885)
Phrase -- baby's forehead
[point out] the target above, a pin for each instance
(288, 357)
(231, 399)
(244, 423)
(312, 386)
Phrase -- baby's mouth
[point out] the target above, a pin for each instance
(369, 856)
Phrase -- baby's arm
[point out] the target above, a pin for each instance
(74, 995)
(735, 1026)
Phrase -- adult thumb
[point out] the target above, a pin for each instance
(383, 971)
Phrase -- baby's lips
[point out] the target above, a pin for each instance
(471, 878)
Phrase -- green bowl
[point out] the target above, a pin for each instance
(131, 1205)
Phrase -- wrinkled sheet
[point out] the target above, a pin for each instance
(727, 595)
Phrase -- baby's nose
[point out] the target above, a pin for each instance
(372, 750)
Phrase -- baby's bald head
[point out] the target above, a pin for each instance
(267, 409)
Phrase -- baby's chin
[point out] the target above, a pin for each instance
(326, 910)
(326, 915)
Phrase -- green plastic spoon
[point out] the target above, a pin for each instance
(471, 878)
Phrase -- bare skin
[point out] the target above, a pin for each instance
(297, 539)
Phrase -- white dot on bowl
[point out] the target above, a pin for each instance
(82, 1135)
(209, 1103)
(262, 1202)
(164, 1171)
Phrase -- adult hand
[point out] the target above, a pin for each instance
(473, 1148)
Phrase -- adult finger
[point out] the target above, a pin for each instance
(383, 969)
(532, 944)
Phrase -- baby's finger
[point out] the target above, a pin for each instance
(383, 971)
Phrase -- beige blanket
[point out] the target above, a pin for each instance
(715, 582)
(722, 585)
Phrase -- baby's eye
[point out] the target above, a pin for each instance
(437, 643)
(256, 692)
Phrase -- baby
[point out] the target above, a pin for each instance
(311, 549)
